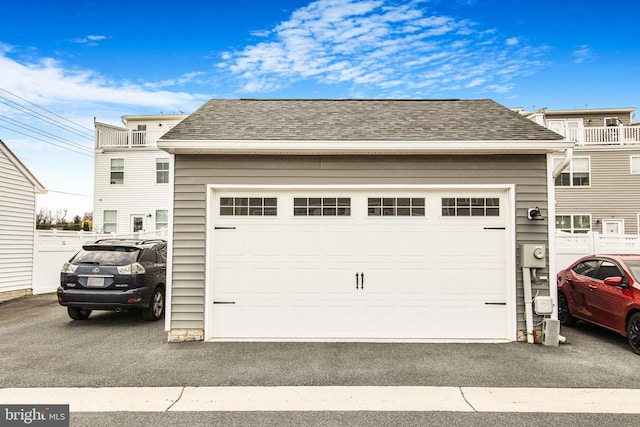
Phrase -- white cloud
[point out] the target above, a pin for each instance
(260, 33)
(178, 81)
(90, 40)
(71, 86)
(582, 54)
(379, 44)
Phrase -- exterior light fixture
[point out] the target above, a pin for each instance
(534, 214)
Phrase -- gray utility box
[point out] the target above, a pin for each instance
(533, 256)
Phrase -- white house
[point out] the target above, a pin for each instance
(131, 182)
(18, 189)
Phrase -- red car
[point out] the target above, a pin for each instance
(603, 290)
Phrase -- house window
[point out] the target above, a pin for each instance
(635, 164)
(117, 171)
(470, 206)
(139, 136)
(576, 174)
(392, 206)
(162, 219)
(110, 221)
(576, 224)
(248, 206)
(611, 121)
(321, 206)
(162, 171)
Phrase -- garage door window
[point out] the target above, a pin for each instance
(392, 206)
(322, 206)
(470, 206)
(248, 206)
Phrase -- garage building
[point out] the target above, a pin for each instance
(355, 219)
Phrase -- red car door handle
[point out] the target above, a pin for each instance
(592, 287)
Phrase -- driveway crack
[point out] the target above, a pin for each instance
(176, 401)
(466, 400)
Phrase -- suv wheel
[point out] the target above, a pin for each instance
(156, 308)
(77, 313)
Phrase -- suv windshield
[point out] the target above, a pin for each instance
(106, 256)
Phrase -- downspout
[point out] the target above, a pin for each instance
(553, 284)
(526, 272)
(566, 160)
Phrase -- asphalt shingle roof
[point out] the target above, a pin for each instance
(357, 120)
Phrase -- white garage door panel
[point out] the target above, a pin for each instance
(357, 276)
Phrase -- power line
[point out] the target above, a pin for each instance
(70, 194)
(90, 131)
(39, 116)
(84, 153)
(43, 133)
(51, 119)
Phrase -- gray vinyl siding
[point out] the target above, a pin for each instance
(613, 193)
(597, 119)
(17, 224)
(194, 172)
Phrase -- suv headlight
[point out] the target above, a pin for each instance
(134, 268)
(69, 268)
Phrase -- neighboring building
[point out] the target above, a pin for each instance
(599, 190)
(131, 182)
(357, 219)
(18, 189)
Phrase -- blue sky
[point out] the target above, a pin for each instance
(86, 59)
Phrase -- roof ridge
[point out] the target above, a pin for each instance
(357, 99)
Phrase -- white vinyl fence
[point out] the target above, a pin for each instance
(571, 247)
(53, 248)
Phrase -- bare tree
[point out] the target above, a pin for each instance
(60, 216)
(43, 219)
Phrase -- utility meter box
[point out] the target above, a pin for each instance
(533, 256)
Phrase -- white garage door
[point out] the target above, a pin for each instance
(359, 265)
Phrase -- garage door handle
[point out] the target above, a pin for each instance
(357, 282)
(495, 303)
(361, 280)
(224, 302)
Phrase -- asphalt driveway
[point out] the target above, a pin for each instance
(42, 347)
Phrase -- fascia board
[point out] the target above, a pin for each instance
(361, 147)
(37, 185)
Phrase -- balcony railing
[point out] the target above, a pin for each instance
(598, 135)
(108, 138)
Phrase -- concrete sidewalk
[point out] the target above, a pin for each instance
(328, 398)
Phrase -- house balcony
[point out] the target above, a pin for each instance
(127, 138)
(601, 135)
